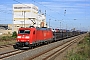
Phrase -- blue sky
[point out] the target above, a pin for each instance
(71, 13)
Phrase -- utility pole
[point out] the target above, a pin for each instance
(66, 26)
(60, 25)
(49, 23)
(24, 19)
(80, 26)
(21, 23)
(45, 13)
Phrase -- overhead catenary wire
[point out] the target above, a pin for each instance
(52, 17)
(49, 9)
(11, 11)
(40, 4)
(60, 20)
(55, 11)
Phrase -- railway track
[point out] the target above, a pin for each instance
(11, 53)
(37, 56)
(47, 54)
(4, 46)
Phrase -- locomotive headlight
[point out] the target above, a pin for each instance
(18, 36)
(27, 37)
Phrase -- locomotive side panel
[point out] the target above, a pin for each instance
(39, 35)
(32, 36)
(42, 35)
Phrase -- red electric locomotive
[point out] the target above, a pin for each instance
(28, 37)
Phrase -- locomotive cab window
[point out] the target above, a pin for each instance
(24, 32)
(27, 31)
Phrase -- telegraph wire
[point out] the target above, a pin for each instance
(54, 11)
(47, 8)
(40, 4)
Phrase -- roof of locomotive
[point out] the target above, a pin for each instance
(37, 28)
(43, 28)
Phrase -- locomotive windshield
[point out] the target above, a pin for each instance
(24, 32)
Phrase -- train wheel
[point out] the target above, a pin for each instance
(15, 46)
(46, 42)
(31, 46)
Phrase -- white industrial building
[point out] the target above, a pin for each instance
(25, 15)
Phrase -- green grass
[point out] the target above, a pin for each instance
(7, 42)
(4, 40)
(83, 51)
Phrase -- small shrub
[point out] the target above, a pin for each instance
(4, 38)
(7, 38)
(14, 34)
